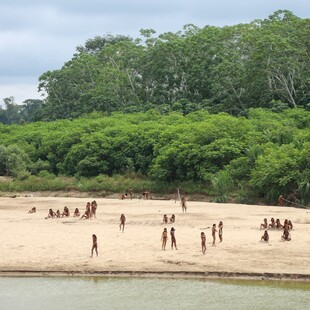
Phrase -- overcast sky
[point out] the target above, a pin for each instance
(40, 35)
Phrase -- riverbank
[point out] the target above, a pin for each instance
(30, 244)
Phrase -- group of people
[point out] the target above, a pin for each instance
(58, 214)
(171, 220)
(276, 224)
(129, 194)
(164, 238)
(90, 210)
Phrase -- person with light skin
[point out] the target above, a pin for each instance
(221, 231)
(95, 245)
(265, 236)
(122, 222)
(213, 234)
(203, 243)
(173, 240)
(164, 238)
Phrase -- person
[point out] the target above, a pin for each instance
(272, 224)
(66, 212)
(58, 213)
(285, 225)
(265, 236)
(280, 201)
(95, 245)
(221, 231)
(173, 240)
(33, 210)
(94, 208)
(124, 196)
(286, 235)
(290, 225)
(88, 209)
(76, 212)
(51, 214)
(130, 193)
(203, 243)
(172, 218)
(146, 194)
(264, 225)
(278, 224)
(122, 220)
(165, 219)
(183, 204)
(213, 233)
(85, 215)
(164, 238)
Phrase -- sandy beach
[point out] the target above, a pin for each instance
(29, 242)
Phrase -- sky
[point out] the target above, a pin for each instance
(41, 35)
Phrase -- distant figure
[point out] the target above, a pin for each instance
(290, 225)
(272, 224)
(285, 225)
(165, 219)
(88, 209)
(124, 196)
(85, 215)
(130, 193)
(51, 214)
(173, 240)
(203, 243)
(146, 194)
(278, 224)
(264, 225)
(286, 235)
(58, 213)
(183, 204)
(221, 231)
(93, 207)
(265, 236)
(280, 200)
(33, 210)
(164, 238)
(66, 212)
(122, 222)
(95, 246)
(172, 218)
(213, 234)
(76, 212)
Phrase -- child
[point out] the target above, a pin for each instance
(265, 236)
(221, 231)
(172, 218)
(164, 238)
(203, 243)
(123, 220)
(95, 246)
(290, 225)
(173, 240)
(213, 233)
(165, 219)
(57, 213)
(76, 212)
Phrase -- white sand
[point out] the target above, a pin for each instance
(30, 242)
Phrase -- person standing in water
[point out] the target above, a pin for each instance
(173, 240)
(203, 243)
(95, 245)
(213, 234)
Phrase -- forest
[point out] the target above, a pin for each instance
(223, 111)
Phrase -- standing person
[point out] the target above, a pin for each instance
(164, 238)
(203, 243)
(94, 208)
(280, 201)
(146, 194)
(221, 231)
(95, 245)
(130, 192)
(173, 240)
(122, 222)
(88, 209)
(213, 233)
(183, 204)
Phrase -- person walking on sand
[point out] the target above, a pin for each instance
(203, 243)
(221, 231)
(95, 245)
(265, 236)
(173, 240)
(164, 238)
(213, 234)
(122, 222)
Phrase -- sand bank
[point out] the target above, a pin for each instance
(29, 243)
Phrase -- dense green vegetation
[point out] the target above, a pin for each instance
(231, 69)
(262, 155)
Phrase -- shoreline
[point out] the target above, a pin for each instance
(161, 274)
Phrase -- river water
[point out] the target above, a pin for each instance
(50, 293)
